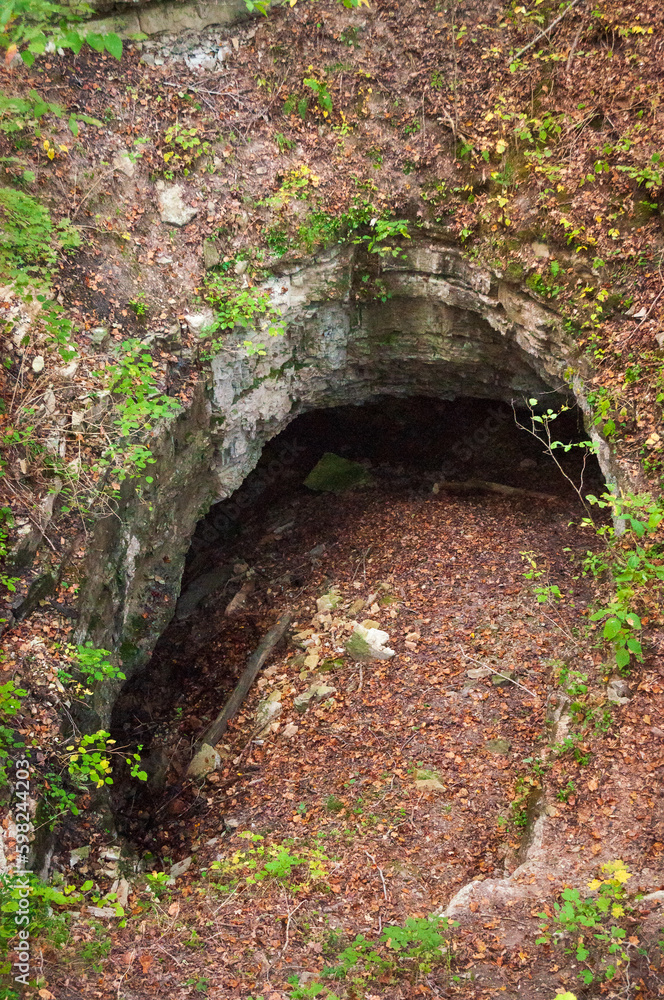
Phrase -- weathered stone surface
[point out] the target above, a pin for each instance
(206, 760)
(151, 17)
(124, 163)
(328, 602)
(618, 691)
(450, 328)
(269, 709)
(317, 692)
(366, 644)
(334, 474)
(173, 209)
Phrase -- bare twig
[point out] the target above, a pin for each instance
(546, 30)
(532, 694)
(380, 872)
(288, 923)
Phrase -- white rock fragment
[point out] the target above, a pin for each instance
(38, 364)
(366, 644)
(173, 209)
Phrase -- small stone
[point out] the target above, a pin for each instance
(429, 785)
(38, 364)
(79, 854)
(497, 680)
(618, 691)
(290, 730)
(240, 266)
(317, 692)
(99, 335)
(173, 210)
(206, 760)
(268, 711)
(68, 371)
(328, 602)
(211, 256)
(104, 912)
(334, 474)
(196, 322)
(428, 781)
(477, 673)
(356, 606)
(124, 163)
(540, 249)
(122, 892)
(49, 401)
(498, 746)
(180, 868)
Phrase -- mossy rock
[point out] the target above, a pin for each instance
(334, 474)
(514, 271)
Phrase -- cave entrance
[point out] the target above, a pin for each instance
(422, 561)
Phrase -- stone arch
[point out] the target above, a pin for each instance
(444, 326)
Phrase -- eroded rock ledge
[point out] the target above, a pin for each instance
(443, 327)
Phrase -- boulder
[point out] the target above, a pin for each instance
(334, 474)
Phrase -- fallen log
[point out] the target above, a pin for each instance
(216, 730)
(482, 485)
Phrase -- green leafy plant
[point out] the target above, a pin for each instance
(273, 861)
(410, 949)
(321, 93)
(28, 26)
(589, 927)
(139, 404)
(382, 231)
(182, 147)
(91, 666)
(139, 306)
(6, 524)
(29, 241)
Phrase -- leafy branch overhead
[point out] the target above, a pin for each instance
(30, 28)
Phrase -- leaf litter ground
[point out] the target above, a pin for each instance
(409, 775)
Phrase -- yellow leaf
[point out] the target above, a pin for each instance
(9, 55)
(51, 154)
(595, 884)
(501, 146)
(617, 910)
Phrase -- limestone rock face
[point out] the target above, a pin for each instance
(450, 327)
(152, 17)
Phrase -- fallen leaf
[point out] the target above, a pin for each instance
(146, 962)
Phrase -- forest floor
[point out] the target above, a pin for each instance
(411, 778)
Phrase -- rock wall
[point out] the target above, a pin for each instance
(151, 17)
(442, 326)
